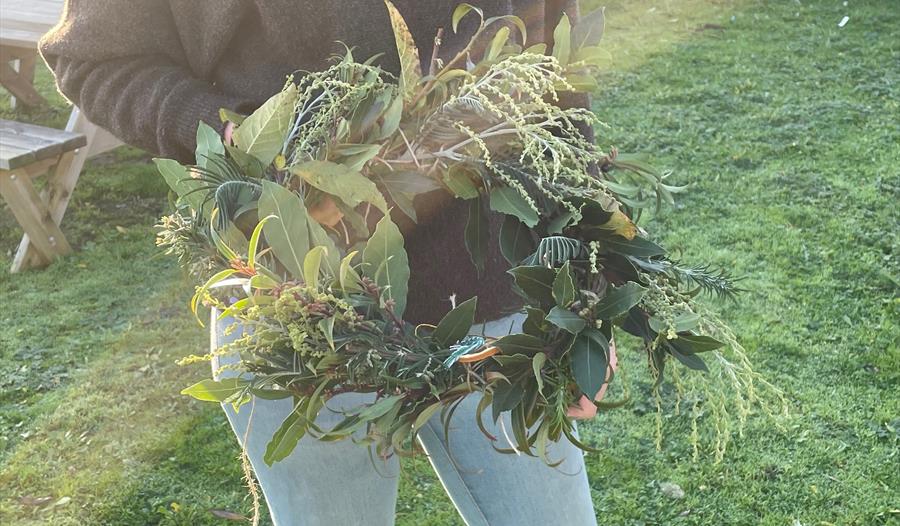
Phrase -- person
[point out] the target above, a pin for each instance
(150, 71)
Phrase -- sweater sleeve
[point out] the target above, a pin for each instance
(122, 63)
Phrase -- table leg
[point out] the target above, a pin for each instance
(20, 83)
(34, 217)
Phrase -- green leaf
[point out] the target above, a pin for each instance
(253, 246)
(349, 185)
(286, 437)
(516, 242)
(520, 344)
(408, 182)
(589, 29)
(380, 407)
(536, 282)
(564, 286)
(566, 320)
(180, 181)
(288, 236)
(690, 343)
(326, 325)
(391, 118)
(534, 322)
(618, 300)
(500, 39)
(537, 363)
(476, 238)
(509, 201)
(638, 247)
(459, 181)
(560, 223)
(319, 238)
(590, 360)
(461, 11)
(506, 397)
(216, 390)
(426, 415)
(692, 361)
(562, 40)
(456, 324)
(312, 264)
(386, 262)
(348, 277)
(209, 144)
(263, 133)
(410, 64)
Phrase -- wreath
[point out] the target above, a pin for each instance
(321, 305)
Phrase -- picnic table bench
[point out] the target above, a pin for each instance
(22, 24)
(28, 151)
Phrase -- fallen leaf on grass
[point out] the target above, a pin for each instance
(671, 490)
(34, 501)
(228, 515)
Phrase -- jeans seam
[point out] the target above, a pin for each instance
(468, 493)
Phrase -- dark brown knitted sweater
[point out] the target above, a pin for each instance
(149, 71)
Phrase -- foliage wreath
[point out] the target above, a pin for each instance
(322, 306)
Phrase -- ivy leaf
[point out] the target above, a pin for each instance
(338, 180)
(534, 322)
(536, 282)
(516, 242)
(520, 344)
(618, 300)
(564, 286)
(562, 41)
(216, 390)
(506, 397)
(410, 64)
(477, 233)
(456, 324)
(566, 320)
(386, 262)
(589, 29)
(262, 133)
(509, 201)
(209, 144)
(288, 236)
(590, 360)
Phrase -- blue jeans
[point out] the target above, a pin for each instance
(341, 483)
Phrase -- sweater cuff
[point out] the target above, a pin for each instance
(198, 106)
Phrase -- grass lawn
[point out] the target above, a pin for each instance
(787, 129)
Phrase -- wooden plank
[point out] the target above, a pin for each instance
(22, 144)
(56, 195)
(32, 215)
(21, 88)
(12, 157)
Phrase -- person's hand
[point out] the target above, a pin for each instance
(325, 211)
(585, 408)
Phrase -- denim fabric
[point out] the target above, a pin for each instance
(342, 483)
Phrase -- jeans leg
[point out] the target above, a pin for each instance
(492, 489)
(320, 483)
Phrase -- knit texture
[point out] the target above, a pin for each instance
(151, 71)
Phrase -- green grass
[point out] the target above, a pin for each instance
(786, 128)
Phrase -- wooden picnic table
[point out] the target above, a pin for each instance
(22, 24)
